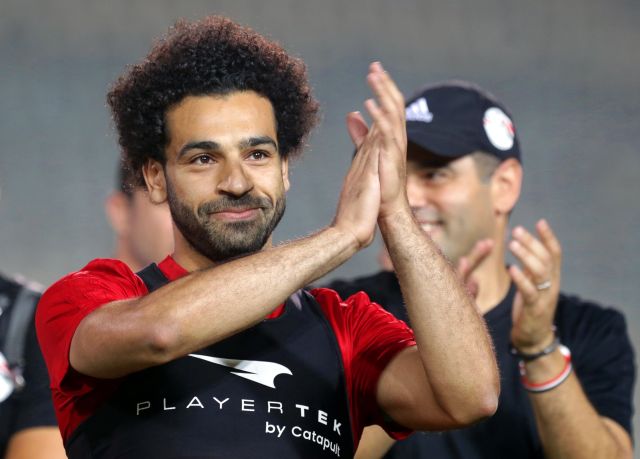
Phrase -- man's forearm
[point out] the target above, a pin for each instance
(454, 346)
(202, 308)
(568, 425)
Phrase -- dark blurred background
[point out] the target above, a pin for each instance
(569, 71)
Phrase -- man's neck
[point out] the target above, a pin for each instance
(123, 254)
(190, 259)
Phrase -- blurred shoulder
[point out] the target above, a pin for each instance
(579, 319)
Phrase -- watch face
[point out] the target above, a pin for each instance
(6, 379)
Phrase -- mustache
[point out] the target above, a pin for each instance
(246, 201)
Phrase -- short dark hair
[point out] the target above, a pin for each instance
(213, 56)
(486, 164)
(125, 179)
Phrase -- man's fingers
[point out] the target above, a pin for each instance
(540, 258)
(357, 128)
(531, 263)
(389, 86)
(381, 91)
(386, 109)
(467, 264)
(533, 245)
(524, 285)
(367, 156)
(550, 240)
(387, 95)
(390, 137)
(463, 268)
(380, 121)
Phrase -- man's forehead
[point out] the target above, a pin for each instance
(215, 105)
(220, 118)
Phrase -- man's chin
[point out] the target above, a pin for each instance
(233, 248)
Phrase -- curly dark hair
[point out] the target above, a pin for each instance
(213, 56)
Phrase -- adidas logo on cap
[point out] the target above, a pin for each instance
(419, 111)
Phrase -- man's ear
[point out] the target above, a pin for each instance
(116, 207)
(153, 173)
(506, 183)
(284, 166)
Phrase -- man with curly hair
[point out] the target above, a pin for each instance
(217, 351)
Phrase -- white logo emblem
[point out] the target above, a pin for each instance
(499, 128)
(254, 370)
(419, 111)
(6, 379)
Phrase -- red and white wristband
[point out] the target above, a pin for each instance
(552, 383)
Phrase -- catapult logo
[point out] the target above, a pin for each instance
(258, 371)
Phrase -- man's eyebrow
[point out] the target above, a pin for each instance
(255, 141)
(198, 145)
(210, 145)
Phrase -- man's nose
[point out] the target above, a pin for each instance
(234, 180)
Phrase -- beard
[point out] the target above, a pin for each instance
(219, 240)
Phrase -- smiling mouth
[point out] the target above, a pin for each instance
(430, 226)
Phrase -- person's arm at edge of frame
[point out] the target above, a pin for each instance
(568, 424)
(36, 443)
(374, 443)
(36, 434)
(451, 378)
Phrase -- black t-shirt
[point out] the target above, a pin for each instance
(602, 358)
(30, 407)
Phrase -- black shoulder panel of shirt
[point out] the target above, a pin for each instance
(382, 287)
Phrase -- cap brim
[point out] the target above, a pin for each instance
(437, 141)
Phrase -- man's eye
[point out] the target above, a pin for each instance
(202, 159)
(258, 155)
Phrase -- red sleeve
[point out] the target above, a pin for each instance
(71, 299)
(60, 311)
(369, 337)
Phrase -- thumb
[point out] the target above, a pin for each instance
(357, 128)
